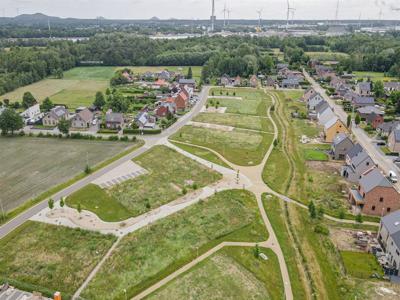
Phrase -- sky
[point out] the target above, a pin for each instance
(201, 9)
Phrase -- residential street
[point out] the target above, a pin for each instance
(383, 162)
(149, 142)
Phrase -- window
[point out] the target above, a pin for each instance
(388, 209)
(381, 199)
(367, 163)
(373, 207)
(363, 195)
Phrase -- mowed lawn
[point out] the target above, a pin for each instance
(49, 258)
(374, 76)
(361, 265)
(170, 174)
(241, 147)
(231, 273)
(77, 88)
(146, 256)
(30, 166)
(238, 121)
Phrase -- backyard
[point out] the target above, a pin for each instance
(49, 258)
(32, 170)
(171, 175)
(231, 273)
(144, 257)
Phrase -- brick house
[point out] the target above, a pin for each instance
(372, 115)
(83, 119)
(55, 115)
(394, 141)
(181, 101)
(375, 194)
(253, 81)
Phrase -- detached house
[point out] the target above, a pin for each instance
(394, 141)
(375, 194)
(83, 119)
(32, 114)
(307, 94)
(254, 81)
(114, 120)
(371, 115)
(389, 239)
(340, 146)
(189, 82)
(55, 115)
(290, 83)
(181, 101)
(363, 89)
(386, 128)
(314, 100)
(358, 162)
(332, 128)
(360, 101)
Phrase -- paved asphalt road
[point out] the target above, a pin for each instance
(383, 162)
(149, 142)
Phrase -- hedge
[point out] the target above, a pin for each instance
(139, 131)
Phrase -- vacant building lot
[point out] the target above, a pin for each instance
(238, 121)
(170, 176)
(30, 166)
(240, 146)
(231, 273)
(144, 257)
(48, 258)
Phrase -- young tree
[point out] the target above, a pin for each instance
(276, 142)
(59, 74)
(348, 121)
(100, 100)
(62, 202)
(47, 104)
(79, 208)
(190, 73)
(379, 89)
(64, 126)
(359, 218)
(88, 170)
(312, 210)
(10, 121)
(256, 251)
(28, 100)
(357, 120)
(51, 203)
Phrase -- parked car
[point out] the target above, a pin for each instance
(393, 176)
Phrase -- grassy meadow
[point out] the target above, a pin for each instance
(231, 273)
(49, 258)
(146, 256)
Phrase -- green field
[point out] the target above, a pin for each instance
(169, 174)
(202, 153)
(238, 121)
(231, 273)
(41, 163)
(146, 256)
(90, 73)
(48, 258)
(241, 147)
(250, 107)
(327, 56)
(361, 265)
(374, 76)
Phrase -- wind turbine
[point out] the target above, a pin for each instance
(229, 15)
(225, 10)
(213, 16)
(259, 12)
(337, 10)
(289, 9)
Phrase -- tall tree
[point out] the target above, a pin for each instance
(28, 100)
(64, 126)
(379, 89)
(190, 73)
(47, 104)
(10, 121)
(100, 100)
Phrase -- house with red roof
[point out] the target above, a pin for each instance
(181, 101)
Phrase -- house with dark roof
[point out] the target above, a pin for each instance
(375, 194)
(189, 82)
(55, 115)
(389, 239)
(114, 120)
(340, 146)
(391, 87)
(363, 88)
(357, 163)
(290, 83)
(307, 94)
(386, 128)
(360, 101)
(372, 115)
(394, 141)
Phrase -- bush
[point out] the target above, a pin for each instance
(321, 229)
(139, 131)
(113, 138)
(21, 133)
(123, 138)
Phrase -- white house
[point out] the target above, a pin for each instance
(32, 114)
(314, 100)
(389, 238)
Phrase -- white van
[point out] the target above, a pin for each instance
(393, 176)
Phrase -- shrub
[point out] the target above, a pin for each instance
(21, 133)
(113, 138)
(321, 229)
(123, 138)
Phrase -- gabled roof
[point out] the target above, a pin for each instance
(339, 138)
(392, 222)
(331, 123)
(359, 158)
(187, 81)
(291, 81)
(321, 106)
(364, 86)
(388, 126)
(314, 96)
(396, 134)
(326, 116)
(363, 100)
(86, 115)
(355, 150)
(114, 117)
(366, 110)
(373, 179)
(392, 85)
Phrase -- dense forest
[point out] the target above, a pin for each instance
(235, 55)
